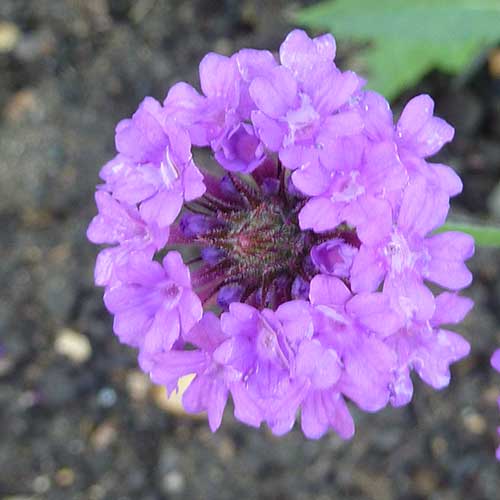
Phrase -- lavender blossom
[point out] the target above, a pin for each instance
(294, 279)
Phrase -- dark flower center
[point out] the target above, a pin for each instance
(252, 248)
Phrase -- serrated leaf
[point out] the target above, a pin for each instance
(485, 236)
(409, 37)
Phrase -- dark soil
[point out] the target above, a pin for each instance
(72, 430)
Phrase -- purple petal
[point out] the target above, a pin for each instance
(298, 156)
(447, 254)
(367, 373)
(451, 309)
(320, 215)
(219, 77)
(431, 138)
(246, 409)
(495, 360)
(141, 270)
(270, 132)
(367, 270)
(322, 366)
(328, 290)
(311, 179)
(422, 210)
(190, 310)
(377, 116)
(281, 413)
(342, 154)
(372, 218)
(252, 63)
(341, 88)
(206, 334)
(340, 125)
(449, 181)
(296, 319)
(325, 46)
(168, 367)
(163, 208)
(276, 94)
(130, 326)
(164, 331)
(334, 257)
(142, 137)
(136, 184)
(435, 353)
(206, 393)
(417, 112)
(115, 222)
(300, 54)
(410, 296)
(176, 269)
(373, 311)
(192, 182)
(322, 409)
(241, 151)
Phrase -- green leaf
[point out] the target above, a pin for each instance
(409, 37)
(485, 236)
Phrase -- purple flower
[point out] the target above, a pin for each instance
(208, 117)
(241, 150)
(300, 115)
(404, 257)
(364, 184)
(260, 347)
(301, 54)
(418, 134)
(324, 406)
(428, 349)
(355, 327)
(153, 303)
(121, 224)
(208, 390)
(218, 118)
(314, 267)
(154, 166)
(334, 257)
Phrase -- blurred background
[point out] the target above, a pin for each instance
(77, 418)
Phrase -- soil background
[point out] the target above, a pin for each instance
(88, 426)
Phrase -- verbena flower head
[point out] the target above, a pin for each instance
(289, 266)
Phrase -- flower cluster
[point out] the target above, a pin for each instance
(291, 272)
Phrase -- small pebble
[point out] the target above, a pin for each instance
(73, 345)
(439, 446)
(6, 365)
(41, 484)
(106, 397)
(138, 385)
(104, 436)
(65, 477)
(173, 404)
(173, 482)
(97, 492)
(475, 423)
(426, 481)
(9, 36)
(20, 104)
